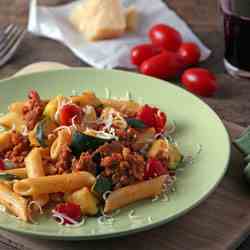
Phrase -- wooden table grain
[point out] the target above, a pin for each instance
(233, 99)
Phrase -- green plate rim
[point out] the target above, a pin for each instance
(125, 232)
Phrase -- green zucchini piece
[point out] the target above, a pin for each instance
(8, 177)
(40, 132)
(44, 127)
(82, 142)
(8, 164)
(175, 157)
(102, 185)
(135, 123)
(247, 173)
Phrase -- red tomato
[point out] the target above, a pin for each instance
(147, 115)
(160, 121)
(165, 65)
(189, 53)
(67, 112)
(165, 37)
(142, 52)
(152, 117)
(199, 81)
(71, 210)
(2, 166)
(154, 168)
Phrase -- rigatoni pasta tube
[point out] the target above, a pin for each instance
(14, 202)
(132, 193)
(54, 183)
(34, 168)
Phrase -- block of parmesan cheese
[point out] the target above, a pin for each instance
(99, 19)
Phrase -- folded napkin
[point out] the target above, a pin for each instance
(53, 22)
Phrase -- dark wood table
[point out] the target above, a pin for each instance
(232, 101)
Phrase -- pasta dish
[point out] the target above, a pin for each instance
(82, 156)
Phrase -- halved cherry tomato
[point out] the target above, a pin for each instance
(67, 112)
(71, 210)
(165, 37)
(2, 166)
(142, 52)
(147, 115)
(199, 81)
(154, 168)
(189, 53)
(160, 121)
(164, 66)
(152, 117)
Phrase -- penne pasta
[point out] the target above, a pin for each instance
(20, 172)
(5, 140)
(16, 107)
(54, 183)
(87, 98)
(62, 139)
(13, 120)
(129, 194)
(34, 168)
(129, 108)
(33, 163)
(13, 202)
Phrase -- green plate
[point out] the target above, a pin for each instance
(196, 124)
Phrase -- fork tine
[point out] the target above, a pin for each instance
(10, 50)
(8, 35)
(3, 31)
(11, 41)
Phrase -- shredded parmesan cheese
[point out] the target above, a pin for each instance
(105, 220)
(106, 194)
(107, 92)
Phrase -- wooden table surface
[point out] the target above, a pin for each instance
(232, 101)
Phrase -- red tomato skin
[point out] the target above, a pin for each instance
(166, 65)
(2, 165)
(189, 53)
(165, 37)
(160, 121)
(67, 112)
(152, 117)
(147, 115)
(71, 210)
(154, 168)
(199, 81)
(142, 52)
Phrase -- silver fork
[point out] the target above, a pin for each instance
(10, 39)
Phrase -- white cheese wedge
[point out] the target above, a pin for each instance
(99, 19)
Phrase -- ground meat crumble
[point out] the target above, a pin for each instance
(33, 109)
(19, 149)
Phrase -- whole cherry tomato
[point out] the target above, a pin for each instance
(154, 168)
(142, 52)
(165, 65)
(165, 37)
(199, 81)
(189, 53)
(67, 112)
(152, 117)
